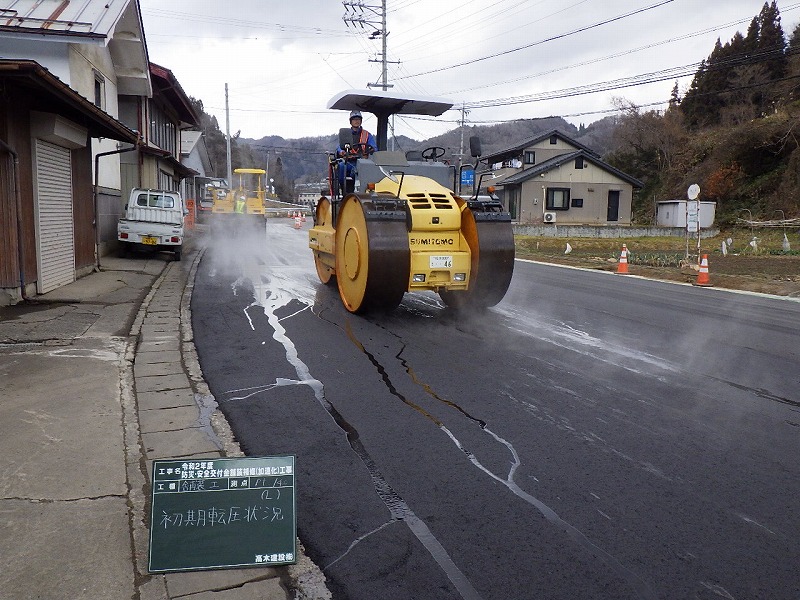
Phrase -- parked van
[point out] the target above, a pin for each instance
(153, 219)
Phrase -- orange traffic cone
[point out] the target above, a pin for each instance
(702, 277)
(622, 267)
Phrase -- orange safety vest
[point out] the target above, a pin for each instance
(362, 140)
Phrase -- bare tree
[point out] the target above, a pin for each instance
(655, 136)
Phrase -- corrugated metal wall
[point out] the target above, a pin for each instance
(55, 231)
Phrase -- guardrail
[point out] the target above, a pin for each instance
(288, 210)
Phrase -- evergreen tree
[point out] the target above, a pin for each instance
(771, 42)
(745, 87)
(674, 98)
(740, 80)
(751, 41)
(691, 101)
(702, 104)
(790, 89)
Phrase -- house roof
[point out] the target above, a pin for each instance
(83, 22)
(561, 159)
(193, 141)
(189, 140)
(167, 85)
(116, 24)
(47, 89)
(167, 157)
(514, 151)
(129, 52)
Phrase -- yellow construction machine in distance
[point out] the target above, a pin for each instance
(244, 203)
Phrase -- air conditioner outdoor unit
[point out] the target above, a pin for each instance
(549, 217)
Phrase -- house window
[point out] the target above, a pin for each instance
(99, 90)
(577, 203)
(557, 199)
(530, 157)
(553, 140)
(163, 132)
(579, 162)
(166, 181)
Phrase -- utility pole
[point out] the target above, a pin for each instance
(375, 17)
(277, 154)
(464, 113)
(228, 137)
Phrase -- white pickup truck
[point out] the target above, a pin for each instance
(153, 218)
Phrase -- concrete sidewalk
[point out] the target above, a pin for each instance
(98, 379)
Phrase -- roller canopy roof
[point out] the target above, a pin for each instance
(389, 103)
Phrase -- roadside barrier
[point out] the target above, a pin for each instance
(622, 267)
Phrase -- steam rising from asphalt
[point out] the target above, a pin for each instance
(259, 255)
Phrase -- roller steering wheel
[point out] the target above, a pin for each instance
(433, 153)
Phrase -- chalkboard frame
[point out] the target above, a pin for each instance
(218, 513)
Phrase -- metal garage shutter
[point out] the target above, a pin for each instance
(55, 232)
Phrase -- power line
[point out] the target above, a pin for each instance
(502, 14)
(636, 80)
(550, 39)
(454, 24)
(247, 23)
(611, 56)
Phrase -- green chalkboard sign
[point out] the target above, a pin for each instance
(222, 513)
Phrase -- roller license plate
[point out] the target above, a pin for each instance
(441, 262)
(149, 240)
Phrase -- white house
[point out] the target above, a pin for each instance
(95, 47)
(89, 59)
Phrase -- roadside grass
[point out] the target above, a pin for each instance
(764, 267)
(663, 251)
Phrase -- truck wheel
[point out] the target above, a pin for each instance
(122, 250)
(177, 253)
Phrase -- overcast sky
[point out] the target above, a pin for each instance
(283, 60)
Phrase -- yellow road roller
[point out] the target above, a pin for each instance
(395, 224)
(243, 204)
